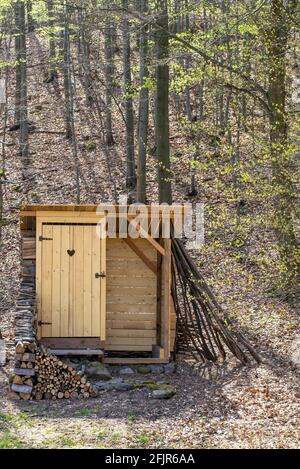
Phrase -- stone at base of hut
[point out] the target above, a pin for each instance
(170, 368)
(144, 369)
(117, 384)
(98, 371)
(125, 386)
(157, 369)
(126, 371)
(163, 393)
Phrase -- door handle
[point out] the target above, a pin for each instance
(100, 274)
(42, 323)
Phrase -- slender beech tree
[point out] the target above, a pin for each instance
(84, 52)
(18, 64)
(23, 113)
(69, 99)
(162, 103)
(30, 19)
(143, 110)
(276, 35)
(130, 173)
(52, 47)
(67, 74)
(109, 78)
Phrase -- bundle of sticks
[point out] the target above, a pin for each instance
(204, 329)
(58, 380)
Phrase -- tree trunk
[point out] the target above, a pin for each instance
(130, 173)
(52, 48)
(186, 64)
(67, 76)
(18, 63)
(143, 111)
(23, 88)
(276, 38)
(30, 20)
(162, 103)
(109, 79)
(85, 53)
(69, 101)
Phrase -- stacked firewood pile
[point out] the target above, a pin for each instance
(57, 380)
(23, 379)
(39, 375)
(25, 315)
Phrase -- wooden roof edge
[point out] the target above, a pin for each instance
(31, 210)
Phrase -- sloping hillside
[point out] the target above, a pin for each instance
(215, 406)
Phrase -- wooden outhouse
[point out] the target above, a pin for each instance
(100, 293)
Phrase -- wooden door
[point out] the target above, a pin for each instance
(70, 283)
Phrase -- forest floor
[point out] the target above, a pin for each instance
(225, 406)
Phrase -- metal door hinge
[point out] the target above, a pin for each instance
(100, 275)
(41, 238)
(41, 323)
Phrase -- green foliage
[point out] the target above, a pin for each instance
(10, 441)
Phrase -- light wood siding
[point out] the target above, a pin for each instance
(172, 319)
(131, 292)
(72, 299)
(131, 297)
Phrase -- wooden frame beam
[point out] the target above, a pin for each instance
(152, 241)
(166, 299)
(134, 361)
(152, 266)
(144, 234)
(72, 342)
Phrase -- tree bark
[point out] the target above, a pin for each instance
(67, 76)
(30, 20)
(24, 153)
(18, 63)
(109, 79)
(162, 103)
(85, 53)
(52, 48)
(143, 112)
(130, 172)
(276, 39)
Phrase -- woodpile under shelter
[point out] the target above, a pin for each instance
(95, 293)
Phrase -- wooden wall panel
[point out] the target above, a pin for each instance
(131, 300)
(46, 286)
(131, 297)
(72, 299)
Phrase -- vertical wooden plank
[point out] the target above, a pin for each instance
(71, 323)
(38, 275)
(165, 304)
(78, 275)
(56, 280)
(159, 295)
(96, 284)
(87, 281)
(103, 282)
(47, 287)
(64, 281)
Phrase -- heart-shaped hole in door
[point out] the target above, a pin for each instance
(71, 252)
